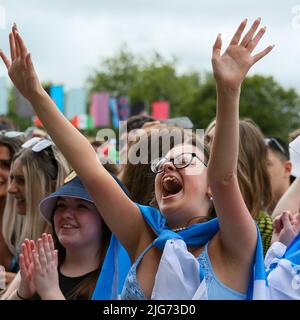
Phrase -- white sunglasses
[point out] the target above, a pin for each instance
(37, 144)
(11, 134)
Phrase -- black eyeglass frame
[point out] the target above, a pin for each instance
(154, 163)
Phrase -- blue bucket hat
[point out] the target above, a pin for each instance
(73, 188)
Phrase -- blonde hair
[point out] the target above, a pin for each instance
(44, 172)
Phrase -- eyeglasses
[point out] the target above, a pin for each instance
(37, 144)
(180, 162)
(11, 134)
(275, 144)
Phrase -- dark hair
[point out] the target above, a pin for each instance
(12, 144)
(137, 122)
(279, 147)
(84, 290)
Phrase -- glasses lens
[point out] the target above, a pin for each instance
(183, 160)
(157, 165)
(42, 145)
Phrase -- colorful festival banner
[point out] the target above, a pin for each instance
(124, 108)
(3, 97)
(83, 121)
(57, 95)
(75, 103)
(100, 109)
(113, 105)
(160, 110)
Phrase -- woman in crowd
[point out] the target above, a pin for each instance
(81, 238)
(183, 188)
(10, 143)
(37, 170)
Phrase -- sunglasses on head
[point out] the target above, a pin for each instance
(37, 144)
(275, 144)
(11, 134)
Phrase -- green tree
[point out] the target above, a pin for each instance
(275, 109)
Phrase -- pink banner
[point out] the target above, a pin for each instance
(160, 110)
(100, 109)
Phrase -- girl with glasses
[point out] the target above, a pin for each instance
(173, 256)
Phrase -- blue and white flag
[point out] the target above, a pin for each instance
(179, 268)
(283, 269)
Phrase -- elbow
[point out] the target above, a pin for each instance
(225, 181)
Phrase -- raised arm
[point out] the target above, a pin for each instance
(289, 201)
(121, 215)
(237, 229)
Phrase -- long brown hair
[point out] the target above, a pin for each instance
(253, 176)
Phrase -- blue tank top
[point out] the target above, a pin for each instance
(216, 290)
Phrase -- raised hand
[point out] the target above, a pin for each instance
(26, 288)
(45, 275)
(286, 227)
(20, 68)
(231, 68)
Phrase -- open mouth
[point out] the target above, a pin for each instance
(171, 186)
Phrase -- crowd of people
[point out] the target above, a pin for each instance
(214, 217)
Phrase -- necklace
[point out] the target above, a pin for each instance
(204, 219)
(179, 229)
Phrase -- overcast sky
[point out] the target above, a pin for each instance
(69, 38)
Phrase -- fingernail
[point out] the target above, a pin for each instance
(259, 19)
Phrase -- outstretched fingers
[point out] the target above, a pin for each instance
(250, 34)
(237, 36)
(217, 46)
(12, 45)
(263, 53)
(5, 59)
(22, 47)
(253, 43)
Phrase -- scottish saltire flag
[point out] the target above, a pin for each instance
(113, 105)
(124, 108)
(76, 103)
(57, 95)
(179, 276)
(100, 109)
(283, 268)
(3, 97)
(160, 110)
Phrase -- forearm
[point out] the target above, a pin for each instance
(68, 139)
(224, 153)
(289, 201)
